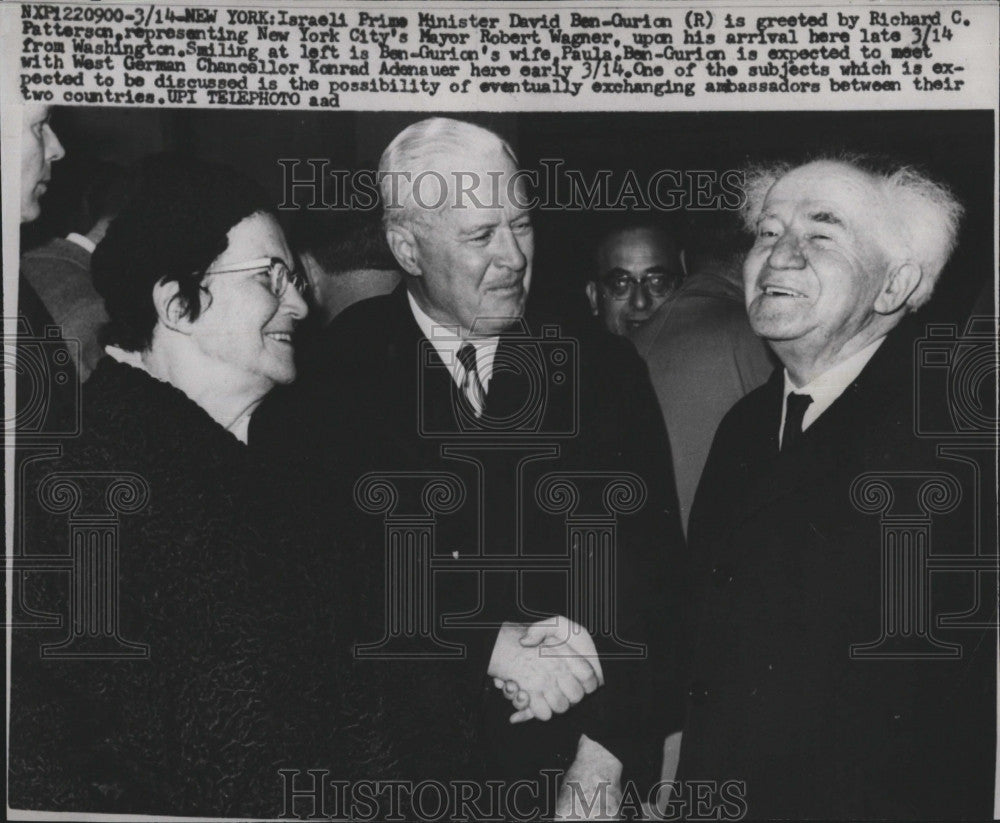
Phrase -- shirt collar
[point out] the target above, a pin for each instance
(825, 388)
(448, 339)
(84, 243)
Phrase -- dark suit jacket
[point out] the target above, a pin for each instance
(240, 676)
(48, 383)
(578, 402)
(59, 272)
(788, 577)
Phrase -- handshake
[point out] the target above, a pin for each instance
(544, 668)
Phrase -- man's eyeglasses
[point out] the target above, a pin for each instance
(278, 273)
(621, 286)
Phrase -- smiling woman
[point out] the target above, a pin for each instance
(213, 666)
(192, 277)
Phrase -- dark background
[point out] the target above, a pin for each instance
(956, 147)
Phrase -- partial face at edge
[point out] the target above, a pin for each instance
(40, 148)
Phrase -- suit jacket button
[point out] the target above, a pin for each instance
(698, 692)
(722, 577)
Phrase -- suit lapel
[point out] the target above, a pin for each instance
(423, 382)
(509, 384)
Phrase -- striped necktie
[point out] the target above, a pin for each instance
(472, 388)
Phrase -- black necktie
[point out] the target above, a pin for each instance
(795, 411)
(472, 387)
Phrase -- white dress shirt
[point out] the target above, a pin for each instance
(447, 340)
(826, 387)
(83, 242)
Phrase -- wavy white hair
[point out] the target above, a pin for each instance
(416, 150)
(924, 215)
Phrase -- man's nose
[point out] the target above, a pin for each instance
(510, 255)
(786, 253)
(638, 297)
(53, 147)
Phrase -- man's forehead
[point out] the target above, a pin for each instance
(475, 167)
(639, 246)
(488, 196)
(827, 185)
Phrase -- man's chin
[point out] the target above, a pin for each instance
(775, 323)
(30, 211)
(777, 332)
(632, 326)
(493, 325)
(499, 315)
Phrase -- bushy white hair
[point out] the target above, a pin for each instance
(923, 214)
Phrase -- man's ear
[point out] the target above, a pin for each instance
(592, 297)
(900, 283)
(684, 262)
(403, 244)
(170, 308)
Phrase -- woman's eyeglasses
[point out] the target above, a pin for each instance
(278, 273)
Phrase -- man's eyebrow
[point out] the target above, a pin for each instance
(478, 227)
(825, 216)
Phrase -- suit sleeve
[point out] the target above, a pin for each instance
(641, 701)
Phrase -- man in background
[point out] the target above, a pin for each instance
(47, 381)
(59, 271)
(344, 257)
(637, 267)
(40, 148)
(702, 354)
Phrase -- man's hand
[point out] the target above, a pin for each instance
(545, 667)
(591, 788)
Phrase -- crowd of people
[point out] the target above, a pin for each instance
(404, 525)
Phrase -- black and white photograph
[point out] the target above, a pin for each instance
(500, 448)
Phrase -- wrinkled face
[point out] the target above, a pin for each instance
(474, 258)
(244, 326)
(40, 148)
(820, 258)
(651, 260)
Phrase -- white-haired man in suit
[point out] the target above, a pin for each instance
(787, 693)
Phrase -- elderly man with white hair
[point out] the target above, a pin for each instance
(449, 376)
(828, 678)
